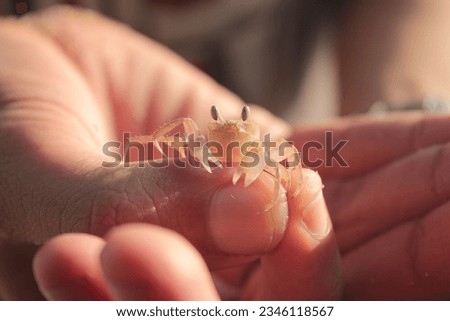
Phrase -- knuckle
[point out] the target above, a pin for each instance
(125, 198)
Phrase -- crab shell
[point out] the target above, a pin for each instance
(231, 135)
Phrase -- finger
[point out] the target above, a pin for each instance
(276, 127)
(163, 86)
(360, 144)
(224, 221)
(306, 263)
(145, 262)
(68, 268)
(408, 262)
(403, 190)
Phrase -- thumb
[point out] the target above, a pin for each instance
(219, 218)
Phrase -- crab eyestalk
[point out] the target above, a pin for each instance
(245, 113)
(215, 114)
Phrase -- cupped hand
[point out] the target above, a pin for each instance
(390, 206)
(71, 81)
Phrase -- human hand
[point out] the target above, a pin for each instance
(390, 207)
(147, 262)
(87, 81)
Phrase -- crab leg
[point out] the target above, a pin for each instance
(277, 187)
(284, 174)
(165, 132)
(293, 164)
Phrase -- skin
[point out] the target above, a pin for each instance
(391, 236)
(392, 225)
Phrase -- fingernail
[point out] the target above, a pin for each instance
(315, 216)
(239, 221)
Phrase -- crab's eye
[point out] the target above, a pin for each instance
(245, 113)
(214, 113)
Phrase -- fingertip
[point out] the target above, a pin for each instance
(312, 206)
(239, 221)
(67, 268)
(311, 186)
(147, 262)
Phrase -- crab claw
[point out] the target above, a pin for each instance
(251, 172)
(239, 172)
(205, 159)
(158, 147)
(204, 163)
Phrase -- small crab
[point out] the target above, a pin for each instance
(230, 143)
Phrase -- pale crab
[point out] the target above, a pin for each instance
(241, 139)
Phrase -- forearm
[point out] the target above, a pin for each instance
(394, 51)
